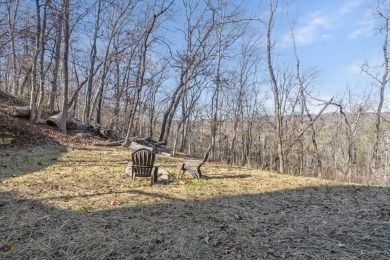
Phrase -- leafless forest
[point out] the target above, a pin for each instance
(195, 73)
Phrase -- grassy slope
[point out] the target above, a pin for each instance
(55, 202)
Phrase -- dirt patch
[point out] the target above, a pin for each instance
(25, 133)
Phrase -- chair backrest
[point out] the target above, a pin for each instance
(143, 160)
(205, 158)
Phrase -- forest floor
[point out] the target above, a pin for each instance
(63, 198)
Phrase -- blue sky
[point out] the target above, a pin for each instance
(336, 37)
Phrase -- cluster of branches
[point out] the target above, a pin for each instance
(192, 72)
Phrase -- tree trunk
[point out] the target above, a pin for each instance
(92, 56)
(142, 67)
(34, 88)
(56, 119)
(64, 117)
(41, 66)
(99, 95)
(88, 95)
(175, 99)
(11, 28)
(381, 93)
(57, 59)
(275, 88)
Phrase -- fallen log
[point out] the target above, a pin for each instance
(135, 146)
(164, 150)
(15, 111)
(109, 144)
(116, 143)
(86, 135)
(56, 120)
(160, 144)
(148, 141)
(71, 125)
(105, 133)
(115, 138)
(81, 126)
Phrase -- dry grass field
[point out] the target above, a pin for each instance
(56, 202)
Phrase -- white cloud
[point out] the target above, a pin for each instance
(356, 33)
(326, 36)
(305, 35)
(354, 69)
(324, 23)
(365, 26)
(315, 27)
(350, 6)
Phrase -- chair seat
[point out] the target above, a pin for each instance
(130, 164)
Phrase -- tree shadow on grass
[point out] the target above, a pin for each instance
(17, 162)
(325, 222)
(107, 163)
(220, 176)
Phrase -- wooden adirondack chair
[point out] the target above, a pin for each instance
(142, 165)
(193, 166)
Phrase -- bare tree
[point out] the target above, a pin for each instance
(352, 122)
(92, 58)
(227, 33)
(65, 65)
(247, 63)
(269, 24)
(139, 84)
(115, 27)
(191, 62)
(381, 12)
(57, 59)
(12, 15)
(41, 64)
(34, 87)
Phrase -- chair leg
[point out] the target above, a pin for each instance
(182, 170)
(132, 179)
(151, 179)
(155, 174)
(199, 174)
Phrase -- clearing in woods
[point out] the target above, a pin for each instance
(76, 202)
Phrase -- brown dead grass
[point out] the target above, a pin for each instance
(55, 203)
